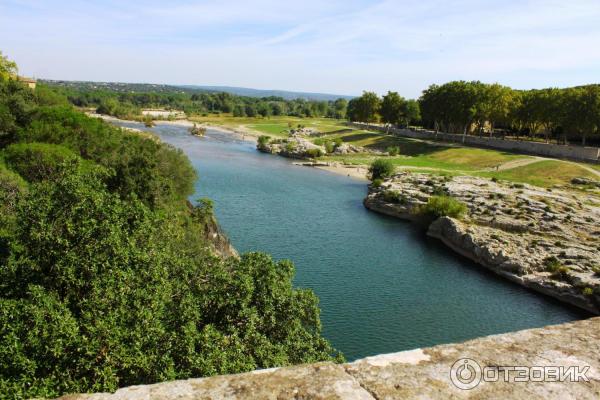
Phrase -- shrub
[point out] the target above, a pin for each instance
(381, 168)
(101, 292)
(551, 263)
(37, 161)
(290, 146)
(394, 196)
(588, 291)
(329, 147)
(377, 182)
(393, 150)
(263, 140)
(561, 273)
(314, 153)
(443, 206)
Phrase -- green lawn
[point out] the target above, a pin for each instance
(416, 155)
(544, 173)
(274, 126)
(438, 157)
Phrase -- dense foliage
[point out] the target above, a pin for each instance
(106, 276)
(381, 168)
(463, 107)
(128, 104)
(443, 206)
(478, 108)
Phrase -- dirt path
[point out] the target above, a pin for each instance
(521, 162)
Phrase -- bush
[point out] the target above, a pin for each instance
(552, 264)
(263, 140)
(381, 169)
(100, 293)
(12, 188)
(37, 161)
(394, 196)
(443, 206)
(314, 153)
(377, 182)
(329, 147)
(393, 150)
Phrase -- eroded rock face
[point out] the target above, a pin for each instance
(546, 240)
(415, 374)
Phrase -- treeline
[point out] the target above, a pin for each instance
(107, 278)
(130, 104)
(480, 108)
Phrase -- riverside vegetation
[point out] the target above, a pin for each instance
(454, 185)
(110, 277)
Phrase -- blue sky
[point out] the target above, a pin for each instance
(326, 46)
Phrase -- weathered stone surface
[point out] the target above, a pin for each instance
(415, 374)
(546, 240)
(316, 381)
(428, 375)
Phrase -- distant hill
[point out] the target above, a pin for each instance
(150, 87)
(288, 95)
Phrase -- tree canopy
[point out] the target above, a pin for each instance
(461, 106)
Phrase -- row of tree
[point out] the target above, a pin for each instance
(127, 104)
(477, 108)
(390, 109)
(474, 106)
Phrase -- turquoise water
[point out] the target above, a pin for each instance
(383, 285)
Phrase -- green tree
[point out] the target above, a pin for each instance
(411, 112)
(8, 68)
(364, 108)
(340, 106)
(392, 108)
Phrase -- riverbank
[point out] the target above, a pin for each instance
(353, 171)
(547, 241)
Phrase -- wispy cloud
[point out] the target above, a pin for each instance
(333, 46)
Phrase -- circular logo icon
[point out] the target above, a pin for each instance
(465, 374)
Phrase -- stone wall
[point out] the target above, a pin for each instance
(421, 373)
(577, 153)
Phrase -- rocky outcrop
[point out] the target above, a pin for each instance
(546, 240)
(219, 242)
(415, 374)
(302, 148)
(294, 147)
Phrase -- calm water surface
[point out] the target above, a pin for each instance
(383, 285)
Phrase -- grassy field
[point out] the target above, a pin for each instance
(274, 126)
(417, 155)
(545, 173)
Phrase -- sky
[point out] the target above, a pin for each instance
(337, 46)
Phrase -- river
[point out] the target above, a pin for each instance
(383, 285)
